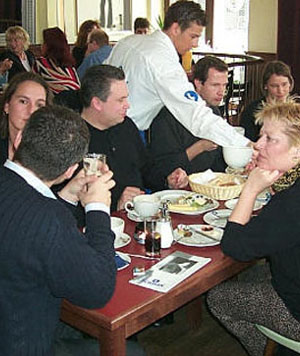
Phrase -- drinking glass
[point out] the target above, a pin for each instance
(93, 163)
(152, 238)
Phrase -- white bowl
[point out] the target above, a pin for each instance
(117, 226)
(237, 157)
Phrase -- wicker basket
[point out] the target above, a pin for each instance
(215, 191)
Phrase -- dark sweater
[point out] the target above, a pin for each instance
(248, 120)
(17, 66)
(44, 258)
(274, 233)
(126, 156)
(3, 150)
(168, 143)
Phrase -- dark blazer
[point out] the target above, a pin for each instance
(17, 66)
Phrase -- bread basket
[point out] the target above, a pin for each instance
(214, 191)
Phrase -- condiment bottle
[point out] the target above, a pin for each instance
(164, 227)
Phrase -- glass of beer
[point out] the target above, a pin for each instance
(152, 238)
(93, 163)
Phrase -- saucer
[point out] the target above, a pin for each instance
(134, 217)
(122, 241)
(122, 260)
(230, 204)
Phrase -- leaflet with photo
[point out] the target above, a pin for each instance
(170, 271)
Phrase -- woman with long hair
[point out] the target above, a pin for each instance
(25, 93)
(56, 65)
(277, 83)
(80, 48)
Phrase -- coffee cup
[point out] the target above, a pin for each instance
(117, 226)
(237, 157)
(143, 205)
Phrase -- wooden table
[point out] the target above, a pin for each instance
(132, 308)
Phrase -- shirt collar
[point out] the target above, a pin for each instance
(167, 40)
(30, 178)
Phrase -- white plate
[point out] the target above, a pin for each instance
(217, 218)
(173, 195)
(198, 240)
(125, 259)
(230, 204)
(122, 241)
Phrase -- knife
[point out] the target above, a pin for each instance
(203, 233)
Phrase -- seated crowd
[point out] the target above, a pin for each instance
(106, 101)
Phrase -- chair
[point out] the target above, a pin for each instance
(282, 340)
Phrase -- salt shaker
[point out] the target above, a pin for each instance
(164, 227)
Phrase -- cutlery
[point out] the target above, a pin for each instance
(142, 256)
(190, 229)
(203, 233)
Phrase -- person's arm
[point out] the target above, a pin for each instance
(272, 230)
(82, 269)
(258, 180)
(199, 147)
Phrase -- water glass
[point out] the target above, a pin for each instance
(93, 163)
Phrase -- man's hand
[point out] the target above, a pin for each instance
(78, 184)
(98, 190)
(178, 179)
(128, 194)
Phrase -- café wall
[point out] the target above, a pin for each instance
(263, 26)
(262, 19)
(61, 13)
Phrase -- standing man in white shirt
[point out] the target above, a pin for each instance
(156, 78)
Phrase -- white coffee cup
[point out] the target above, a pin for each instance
(117, 226)
(237, 157)
(143, 205)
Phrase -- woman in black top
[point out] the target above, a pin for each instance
(277, 83)
(260, 296)
(80, 47)
(17, 40)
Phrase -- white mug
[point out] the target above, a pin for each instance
(117, 226)
(143, 205)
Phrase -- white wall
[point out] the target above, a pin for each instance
(263, 26)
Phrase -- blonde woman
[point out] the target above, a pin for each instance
(269, 297)
(17, 41)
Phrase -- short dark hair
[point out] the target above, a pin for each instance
(278, 68)
(141, 22)
(201, 68)
(54, 138)
(13, 85)
(100, 37)
(184, 13)
(97, 82)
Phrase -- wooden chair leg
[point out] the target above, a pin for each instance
(270, 348)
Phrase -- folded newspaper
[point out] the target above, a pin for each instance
(170, 271)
